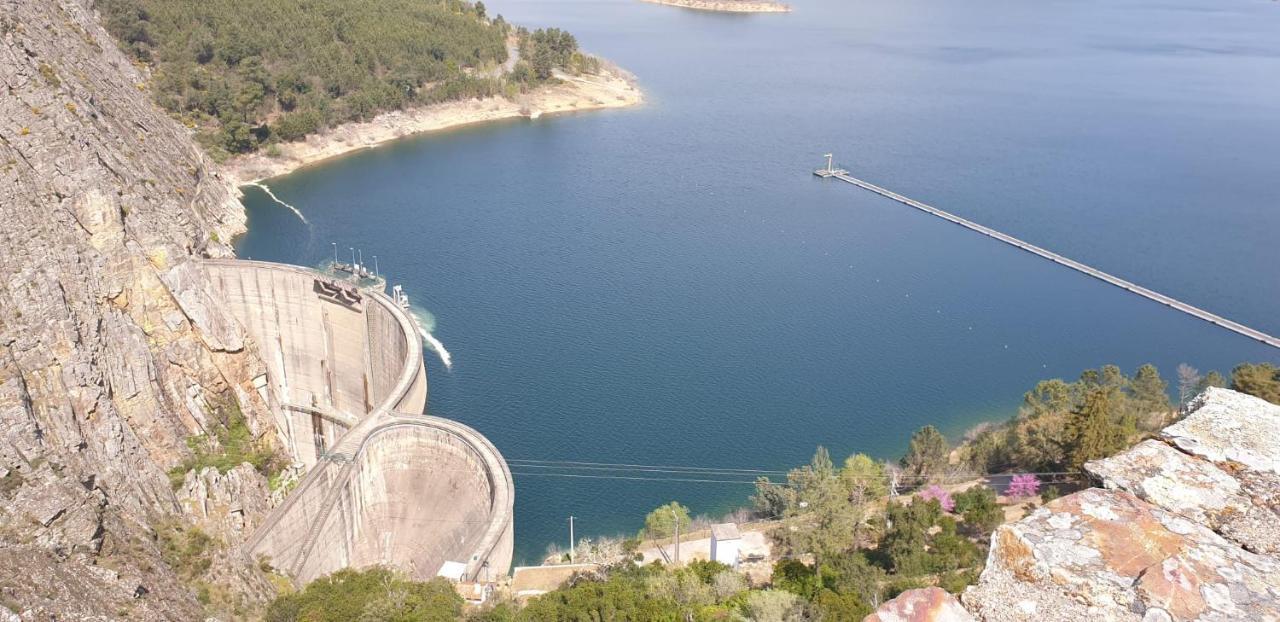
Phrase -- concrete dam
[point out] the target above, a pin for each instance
(385, 483)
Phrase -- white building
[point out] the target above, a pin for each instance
(725, 542)
(452, 571)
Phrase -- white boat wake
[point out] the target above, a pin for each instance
(277, 200)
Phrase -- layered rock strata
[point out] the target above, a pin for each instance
(111, 354)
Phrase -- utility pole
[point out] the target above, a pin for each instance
(677, 521)
(571, 551)
(335, 254)
(361, 259)
(353, 259)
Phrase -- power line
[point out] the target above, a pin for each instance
(943, 479)
(635, 478)
(648, 466)
(730, 471)
(727, 472)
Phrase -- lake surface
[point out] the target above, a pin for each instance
(669, 285)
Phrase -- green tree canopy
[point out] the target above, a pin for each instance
(981, 512)
(374, 595)
(864, 478)
(1049, 397)
(249, 73)
(662, 521)
(1149, 390)
(1257, 379)
(1094, 430)
(926, 454)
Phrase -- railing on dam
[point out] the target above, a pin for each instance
(354, 365)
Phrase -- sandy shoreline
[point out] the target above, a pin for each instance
(611, 89)
(729, 6)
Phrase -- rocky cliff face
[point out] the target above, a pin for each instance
(110, 354)
(1184, 527)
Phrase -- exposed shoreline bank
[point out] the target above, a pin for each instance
(728, 6)
(611, 88)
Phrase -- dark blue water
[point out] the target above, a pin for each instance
(670, 285)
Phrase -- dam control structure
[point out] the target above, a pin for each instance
(385, 484)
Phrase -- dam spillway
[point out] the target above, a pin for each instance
(385, 485)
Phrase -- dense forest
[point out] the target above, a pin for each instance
(248, 74)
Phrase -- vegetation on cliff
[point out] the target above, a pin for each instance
(1061, 425)
(250, 74)
(374, 595)
(228, 443)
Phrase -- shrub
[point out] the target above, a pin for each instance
(230, 445)
(980, 510)
(186, 549)
(936, 493)
(374, 594)
(1024, 485)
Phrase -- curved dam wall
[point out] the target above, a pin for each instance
(331, 360)
(386, 485)
(418, 492)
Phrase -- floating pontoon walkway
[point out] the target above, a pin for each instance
(1193, 311)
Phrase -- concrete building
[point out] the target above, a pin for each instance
(386, 484)
(725, 542)
(453, 571)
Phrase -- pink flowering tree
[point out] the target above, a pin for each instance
(1024, 485)
(943, 497)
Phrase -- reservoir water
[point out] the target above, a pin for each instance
(668, 284)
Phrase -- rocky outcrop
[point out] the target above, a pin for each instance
(1184, 527)
(110, 352)
(924, 605)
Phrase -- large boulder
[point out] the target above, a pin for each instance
(923, 605)
(1182, 530)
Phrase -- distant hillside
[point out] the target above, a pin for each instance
(249, 74)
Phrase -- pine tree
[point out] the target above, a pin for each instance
(927, 454)
(1211, 379)
(1093, 431)
(1149, 390)
(1259, 380)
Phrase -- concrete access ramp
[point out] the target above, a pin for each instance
(385, 484)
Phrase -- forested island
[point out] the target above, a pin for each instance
(253, 78)
(729, 6)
